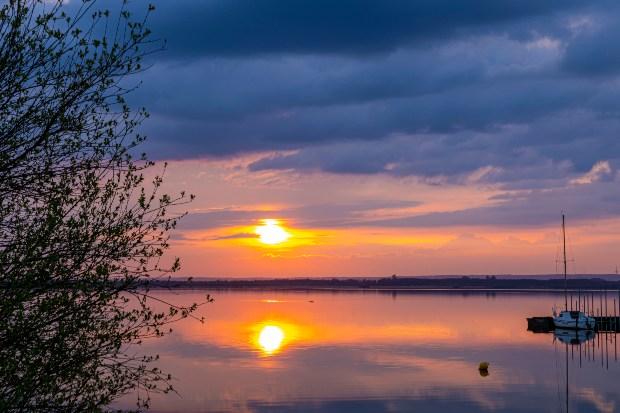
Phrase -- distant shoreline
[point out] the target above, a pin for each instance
(397, 284)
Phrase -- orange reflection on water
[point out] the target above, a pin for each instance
(269, 323)
(276, 346)
(270, 337)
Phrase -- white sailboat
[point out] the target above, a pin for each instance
(567, 319)
(574, 320)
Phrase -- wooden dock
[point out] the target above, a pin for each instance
(540, 324)
(604, 306)
(608, 324)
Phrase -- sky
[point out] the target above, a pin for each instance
(411, 137)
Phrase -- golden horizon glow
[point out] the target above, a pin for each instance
(270, 339)
(271, 233)
(223, 241)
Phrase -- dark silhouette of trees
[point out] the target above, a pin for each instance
(81, 232)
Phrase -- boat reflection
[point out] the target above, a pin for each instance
(573, 337)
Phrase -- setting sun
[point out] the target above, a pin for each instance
(271, 232)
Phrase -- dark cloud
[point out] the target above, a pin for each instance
(503, 157)
(595, 52)
(240, 235)
(482, 107)
(231, 90)
(244, 28)
(517, 93)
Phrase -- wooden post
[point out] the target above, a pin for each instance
(615, 332)
(607, 333)
(615, 317)
(606, 313)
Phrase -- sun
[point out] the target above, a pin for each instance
(271, 232)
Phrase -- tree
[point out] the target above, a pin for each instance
(81, 232)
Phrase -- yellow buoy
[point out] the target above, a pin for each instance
(483, 368)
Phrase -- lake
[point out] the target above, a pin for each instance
(274, 351)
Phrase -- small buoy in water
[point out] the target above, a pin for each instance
(483, 368)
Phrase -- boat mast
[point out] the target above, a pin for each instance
(564, 254)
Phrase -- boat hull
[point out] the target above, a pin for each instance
(574, 320)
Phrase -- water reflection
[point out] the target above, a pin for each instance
(350, 352)
(573, 337)
(270, 339)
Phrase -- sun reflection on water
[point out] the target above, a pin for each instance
(270, 339)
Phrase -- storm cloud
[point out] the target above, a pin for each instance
(518, 93)
(242, 28)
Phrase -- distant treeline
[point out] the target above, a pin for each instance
(394, 283)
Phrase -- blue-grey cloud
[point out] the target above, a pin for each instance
(242, 28)
(595, 52)
(511, 157)
(591, 195)
(534, 208)
(520, 93)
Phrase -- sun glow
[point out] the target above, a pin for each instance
(270, 338)
(271, 232)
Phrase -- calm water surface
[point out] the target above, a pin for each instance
(381, 352)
